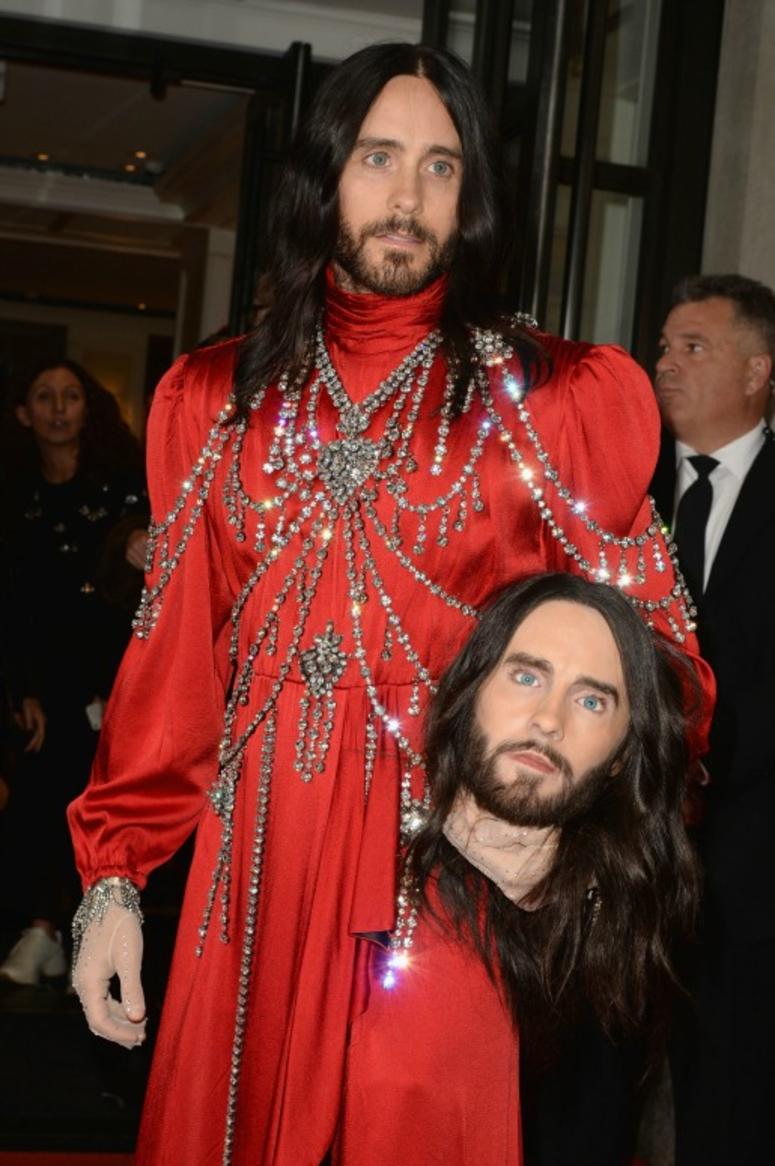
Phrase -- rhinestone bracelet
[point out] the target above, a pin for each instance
(95, 903)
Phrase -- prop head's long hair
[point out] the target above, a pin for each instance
(631, 846)
(305, 224)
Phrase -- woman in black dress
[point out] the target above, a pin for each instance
(74, 514)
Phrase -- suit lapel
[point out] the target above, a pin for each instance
(754, 507)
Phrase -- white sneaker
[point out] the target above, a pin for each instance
(36, 954)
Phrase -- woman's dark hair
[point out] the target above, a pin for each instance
(613, 952)
(107, 445)
(305, 222)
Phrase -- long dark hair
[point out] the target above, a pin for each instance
(305, 222)
(615, 952)
(107, 446)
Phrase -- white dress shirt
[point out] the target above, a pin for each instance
(735, 460)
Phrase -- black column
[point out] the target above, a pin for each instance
(492, 49)
(435, 23)
(584, 167)
(680, 146)
(539, 155)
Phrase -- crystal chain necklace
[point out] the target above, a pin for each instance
(355, 419)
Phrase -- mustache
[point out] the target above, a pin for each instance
(529, 745)
(397, 224)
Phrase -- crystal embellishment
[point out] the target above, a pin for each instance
(414, 815)
(323, 664)
(352, 421)
(343, 466)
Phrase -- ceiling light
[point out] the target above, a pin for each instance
(130, 167)
(140, 154)
(141, 307)
(41, 157)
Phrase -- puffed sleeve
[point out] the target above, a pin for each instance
(608, 437)
(601, 424)
(158, 746)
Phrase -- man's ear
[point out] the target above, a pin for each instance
(23, 416)
(759, 373)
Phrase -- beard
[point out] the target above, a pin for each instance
(521, 801)
(395, 274)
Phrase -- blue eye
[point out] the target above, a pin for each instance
(593, 703)
(526, 679)
(442, 169)
(378, 159)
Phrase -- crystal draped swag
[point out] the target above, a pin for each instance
(313, 569)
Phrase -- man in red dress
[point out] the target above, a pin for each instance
(334, 497)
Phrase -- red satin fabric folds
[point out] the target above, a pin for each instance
(329, 863)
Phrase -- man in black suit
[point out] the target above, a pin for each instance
(715, 484)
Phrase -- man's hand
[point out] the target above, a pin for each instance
(32, 720)
(136, 549)
(112, 947)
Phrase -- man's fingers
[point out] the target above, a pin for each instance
(92, 991)
(128, 1031)
(112, 1024)
(132, 996)
(126, 953)
(93, 995)
(107, 1017)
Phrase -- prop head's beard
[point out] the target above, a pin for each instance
(521, 801)
(395, 274)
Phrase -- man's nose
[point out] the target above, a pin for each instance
(547, 719)
(406, 194)
(665, 363)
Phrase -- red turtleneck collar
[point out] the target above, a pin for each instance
(369, 335)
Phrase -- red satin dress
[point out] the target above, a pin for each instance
(251, 1054)
(432, 1071)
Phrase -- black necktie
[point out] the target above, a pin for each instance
(690, 521)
